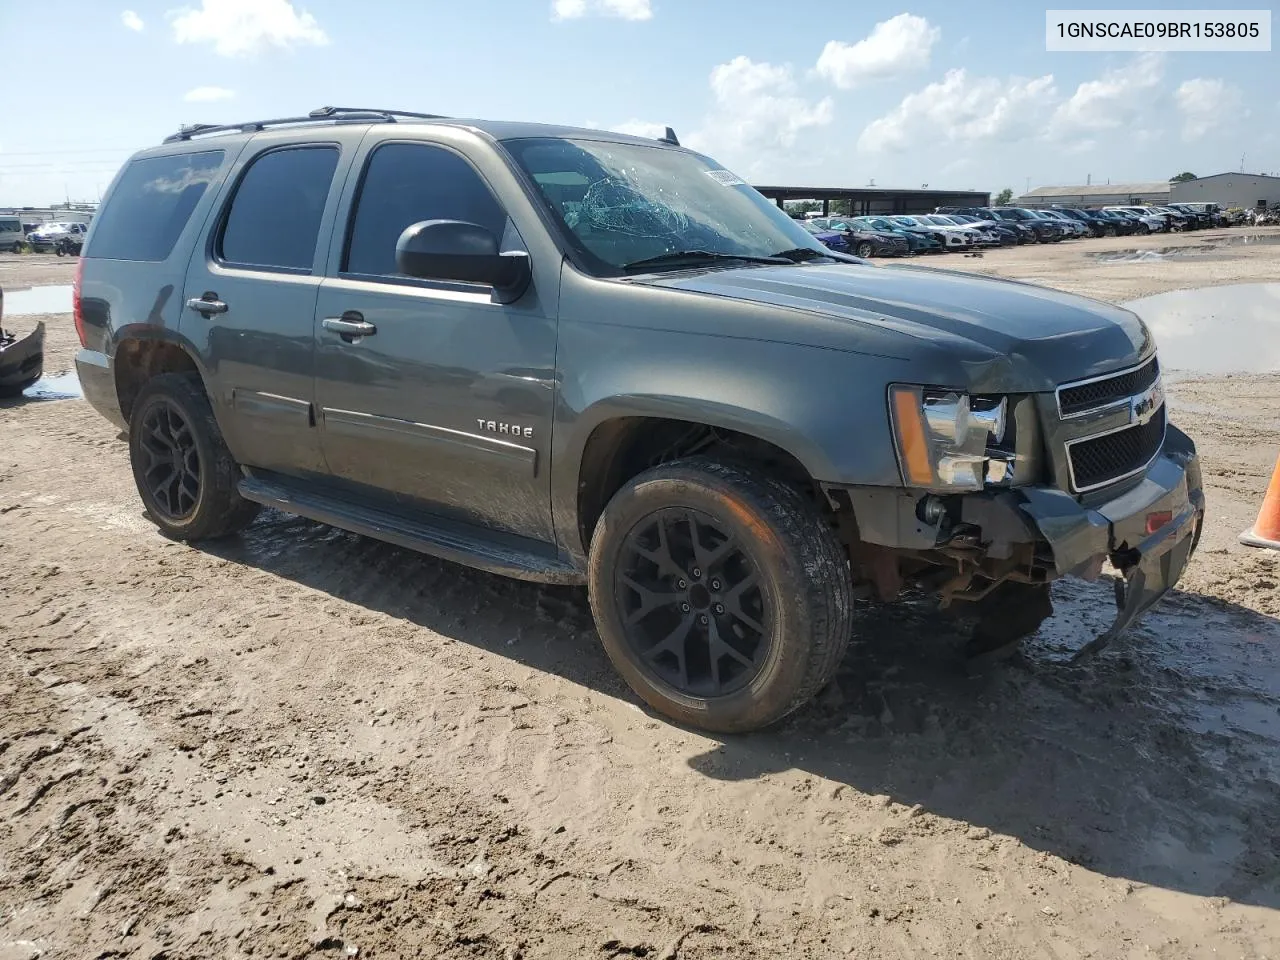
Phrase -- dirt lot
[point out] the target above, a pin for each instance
(305, 743)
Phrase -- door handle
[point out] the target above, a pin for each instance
(350, 324)
(207, 305)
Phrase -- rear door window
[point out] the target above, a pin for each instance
(151, 205)
(274, 220)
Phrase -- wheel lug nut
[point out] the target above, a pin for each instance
(703, 619)
(715, 584)
(696, 573)
(681, 584)
(684, 607)
(719, 608)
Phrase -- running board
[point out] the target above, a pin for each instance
(446, 540)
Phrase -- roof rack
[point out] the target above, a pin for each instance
(348, 114)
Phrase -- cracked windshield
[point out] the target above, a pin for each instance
(620, 205)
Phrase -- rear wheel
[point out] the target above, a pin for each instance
(183, 469)
(721, 595)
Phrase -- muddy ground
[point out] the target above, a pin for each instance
(302, 743)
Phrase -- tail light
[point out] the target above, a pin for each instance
(77, 310)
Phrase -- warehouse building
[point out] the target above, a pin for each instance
(1245, 190)
(1097, 195)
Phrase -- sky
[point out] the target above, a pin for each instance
(839, 93)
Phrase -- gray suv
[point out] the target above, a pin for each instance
(578, 357)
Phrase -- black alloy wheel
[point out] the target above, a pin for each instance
(186, 476)
(692, 604)
(721, 594)
(171, 461)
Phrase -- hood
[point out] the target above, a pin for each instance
(1038, 337)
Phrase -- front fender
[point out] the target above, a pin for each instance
(824, 407)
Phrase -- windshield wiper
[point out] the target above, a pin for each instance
(800, 254)
(699, 256)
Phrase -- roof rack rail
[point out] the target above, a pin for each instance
(320, 113)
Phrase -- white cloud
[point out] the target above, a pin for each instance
(894, 47)
(1206, 105)
(1117, 98)
(238, 28)
(757, 114)
(962, 108)
(622, 9)
(208, 94)
(132, 20)
(641, 128)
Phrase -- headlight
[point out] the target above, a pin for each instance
(942, 437)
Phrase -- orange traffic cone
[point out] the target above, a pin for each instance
(1266, 532)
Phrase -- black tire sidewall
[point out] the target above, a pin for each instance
(184, 392)
(773, 692)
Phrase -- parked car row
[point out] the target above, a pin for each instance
(954, 229)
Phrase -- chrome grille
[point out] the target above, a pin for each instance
(1081, 398)
(1097, 461)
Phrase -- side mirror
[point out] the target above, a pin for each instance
(462, 252)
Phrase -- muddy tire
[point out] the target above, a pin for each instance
(183, 469)
(721, 594)
(1007, 616)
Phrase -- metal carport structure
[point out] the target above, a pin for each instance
(865, 201)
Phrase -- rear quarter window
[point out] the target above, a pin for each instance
(151, 205)
(10, 226)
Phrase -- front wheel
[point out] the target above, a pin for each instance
(721, 594)
(183, 469)
(864, 249)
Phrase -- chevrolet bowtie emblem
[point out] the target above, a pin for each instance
(1144, 406)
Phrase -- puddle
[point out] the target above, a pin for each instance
(63, 386)
(55, 298)
(1239, 239)
(1158, 255)
(1229, 329)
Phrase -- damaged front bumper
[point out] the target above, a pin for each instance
(1149, 533)
(21, 360)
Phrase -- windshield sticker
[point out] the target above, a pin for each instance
(725, 178)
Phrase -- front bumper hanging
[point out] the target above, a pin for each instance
(21, 359)
(1149, 533)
